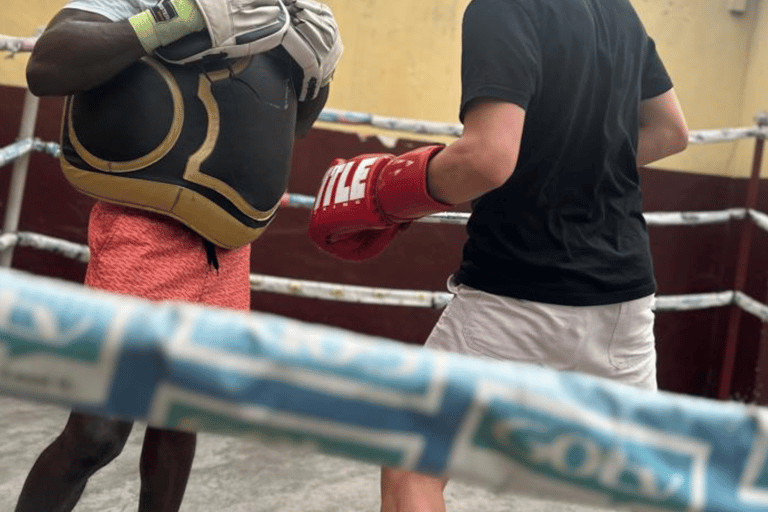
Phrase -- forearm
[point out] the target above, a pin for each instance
(485, 155)
(76, 55)
(464, 171)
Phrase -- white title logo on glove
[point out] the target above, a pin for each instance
(334, 187)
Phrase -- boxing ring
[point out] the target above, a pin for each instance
(505, 426)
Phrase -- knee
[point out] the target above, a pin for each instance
(166, 448)
(94, 442)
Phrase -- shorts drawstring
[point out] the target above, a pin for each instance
(210, 251)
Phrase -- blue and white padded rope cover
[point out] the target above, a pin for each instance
(509, 427)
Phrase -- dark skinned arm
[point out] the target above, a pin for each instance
(308, 111)
(79, 50)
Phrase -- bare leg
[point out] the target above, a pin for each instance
(58, 477)
(403, 491)
(166, 459)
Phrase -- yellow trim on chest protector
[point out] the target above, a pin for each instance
(154, 155)
(192, 171)
(213, 170)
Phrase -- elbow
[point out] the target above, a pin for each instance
(675, 139)
(39, 80)
(469, 168)
(34, 81)
(677, 136)
(496, 167)
(496, 176)
(50, 77)
(681, 138)
(488, 168)
(662, 141)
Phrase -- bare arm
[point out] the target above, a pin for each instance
(483, 158)
(663, 129)
(486, 154)
(80, 50)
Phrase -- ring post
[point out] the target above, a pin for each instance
(742, 262)
(19, 176)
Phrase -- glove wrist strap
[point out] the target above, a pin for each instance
(143, 25)
(402, 193)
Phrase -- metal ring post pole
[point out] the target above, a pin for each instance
(742, 262)
(19, 176)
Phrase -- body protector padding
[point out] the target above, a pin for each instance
(208, 146)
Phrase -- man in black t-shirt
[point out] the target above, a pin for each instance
(562, 100)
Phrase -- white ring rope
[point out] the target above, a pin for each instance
(64, 248)
(331, 115)
(750, 305)
(727, 134)
(382, 296)
(19, 148)
(693, 218)
(13, 151)
(49, 148)
(305, 201)
(349, 293)
(651, 218)
(695, 301)
(16, 44)
(759, 218)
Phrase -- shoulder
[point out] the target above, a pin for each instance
(500, 15)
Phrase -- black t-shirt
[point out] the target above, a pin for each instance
(567, 227)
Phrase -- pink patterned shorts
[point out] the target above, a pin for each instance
(155, 257)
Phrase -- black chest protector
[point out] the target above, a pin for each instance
(209, 146)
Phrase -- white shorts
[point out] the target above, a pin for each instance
(615, 341)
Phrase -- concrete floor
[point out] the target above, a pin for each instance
(229, 475)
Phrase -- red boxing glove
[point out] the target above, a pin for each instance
(364, 201)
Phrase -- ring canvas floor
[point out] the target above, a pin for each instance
(229, 474)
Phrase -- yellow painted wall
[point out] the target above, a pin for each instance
(23, 19)
(404, 62)
(755, 90)
(402, 59)
(706, 49)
